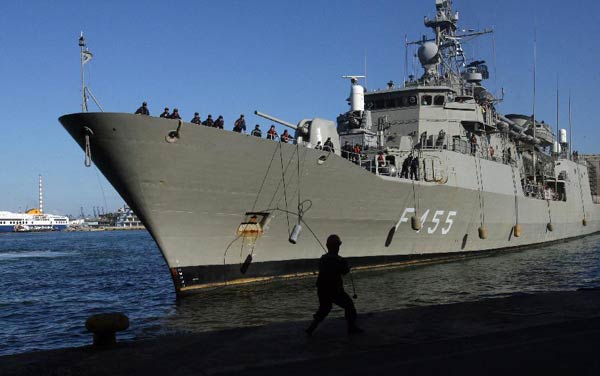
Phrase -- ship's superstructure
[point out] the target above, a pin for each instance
(424, 171)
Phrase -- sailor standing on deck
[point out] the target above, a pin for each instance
(346, 150)
(414, 168)
(271, 133)
(240, 125)
(473, 144)
(328, 145)
(175, 114)
(165, 113)
(220, 123)
(256, 132)
(209, 122)
(405, 166)
(196, 119)
(143, 110)
(330, 287)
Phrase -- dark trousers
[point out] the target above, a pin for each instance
(341, 299)
(404, 172)
(414, 174)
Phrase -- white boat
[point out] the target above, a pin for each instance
(33, 220)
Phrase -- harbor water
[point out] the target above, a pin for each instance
(51, 282)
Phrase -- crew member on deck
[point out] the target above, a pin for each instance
(405, 167)
(473, 144)
(196, 119)
(346, 150)
(209, 122)
(165, 113)
(380, 159)
(328, 145)
(357, 151)
(285, 137)
(240, 125)
(271, 133)
(220, 123)
(257, 132)
(143, 110)
(175, 114)
(414, 168)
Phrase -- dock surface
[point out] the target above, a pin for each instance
(524, 334)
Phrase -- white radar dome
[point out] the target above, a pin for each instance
(428, 53)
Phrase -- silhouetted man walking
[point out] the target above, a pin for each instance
(330, 287)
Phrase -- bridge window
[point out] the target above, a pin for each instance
(439, 100)
(426, 100)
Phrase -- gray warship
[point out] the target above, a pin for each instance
(485, 181)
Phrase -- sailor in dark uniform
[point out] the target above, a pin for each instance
(175, 114)
(406, 166)
(209, 122)
(196, 119)
(328, 145)
(414, 168)
(346, 150)
(330, 287)
(219, 123)
(143, 110)
(257, 132)
(240, 125)
(165, 113)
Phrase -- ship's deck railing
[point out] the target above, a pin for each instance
(538, 192)
(461, 146)
(370, 163)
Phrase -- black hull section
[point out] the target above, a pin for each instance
(192, 279)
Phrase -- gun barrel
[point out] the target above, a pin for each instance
(273, 118)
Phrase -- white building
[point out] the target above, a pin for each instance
(127, 218)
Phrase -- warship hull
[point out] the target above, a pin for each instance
(193, 191)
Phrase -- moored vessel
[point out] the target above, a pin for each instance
(427, 170)
(33, 220)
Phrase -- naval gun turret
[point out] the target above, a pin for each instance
(309, 132)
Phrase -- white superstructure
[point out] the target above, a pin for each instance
(32, 220)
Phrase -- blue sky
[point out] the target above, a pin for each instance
(231, 57)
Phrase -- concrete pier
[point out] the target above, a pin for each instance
(526, 334)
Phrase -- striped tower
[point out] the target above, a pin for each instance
(41, 198)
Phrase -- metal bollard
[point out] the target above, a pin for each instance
(104, 326)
